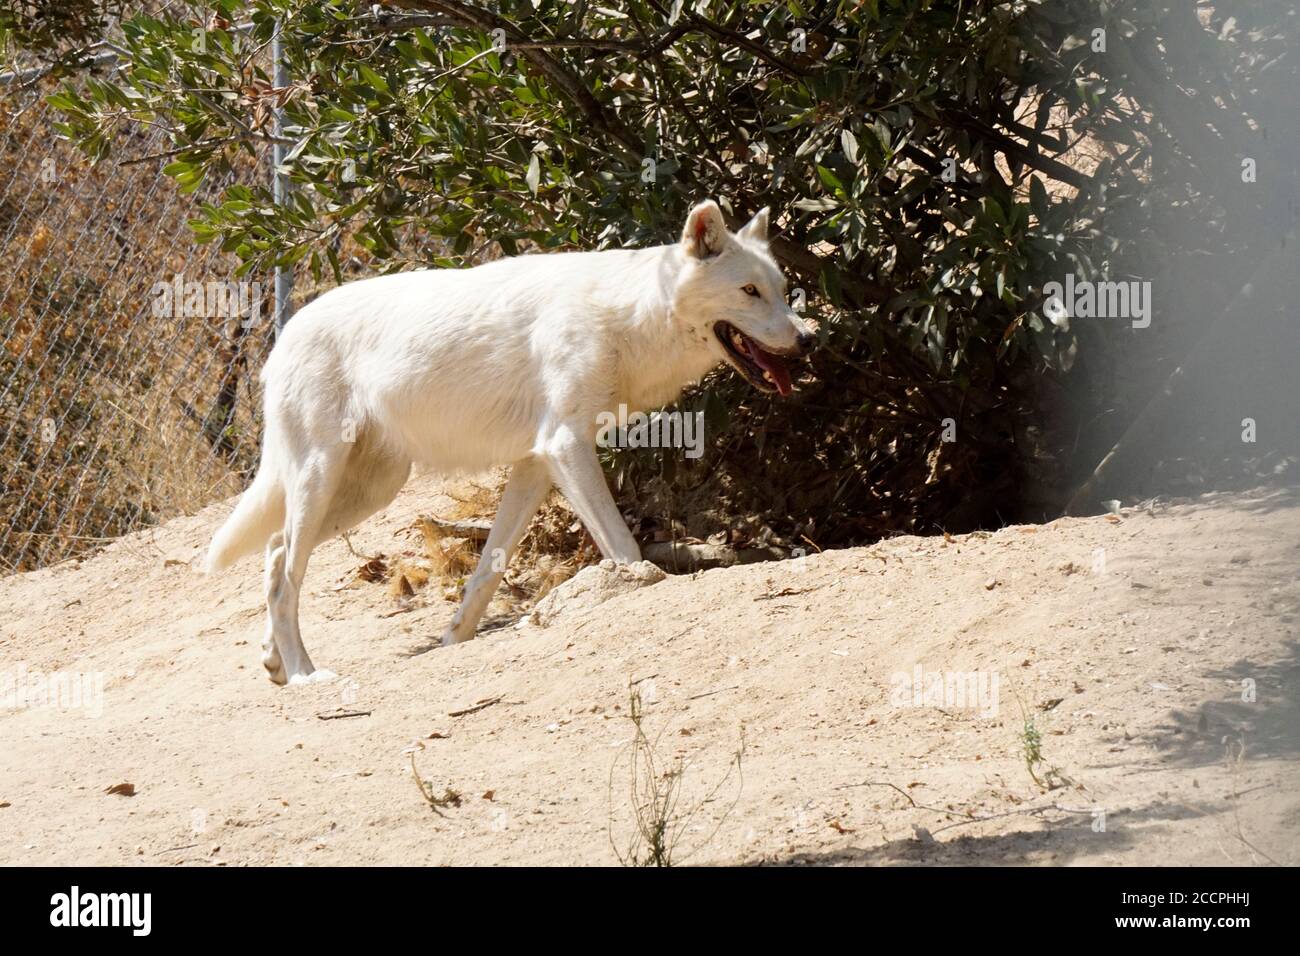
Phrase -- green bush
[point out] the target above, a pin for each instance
(930, 164)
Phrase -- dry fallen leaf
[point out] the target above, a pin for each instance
(40, 239)
(489, 794)
(840, 828)
(122, 789)
(373, 570)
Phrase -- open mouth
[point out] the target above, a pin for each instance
(761, 368)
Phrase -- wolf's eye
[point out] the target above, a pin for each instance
(750, 290)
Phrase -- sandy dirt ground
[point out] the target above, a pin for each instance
(1152, 652)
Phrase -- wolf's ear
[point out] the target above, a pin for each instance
(706, 231)
(756, 228)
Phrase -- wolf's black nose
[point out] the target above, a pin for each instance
(805, 341)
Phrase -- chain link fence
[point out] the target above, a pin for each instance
(128, 353)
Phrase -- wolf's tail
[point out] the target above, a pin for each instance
(259, 514)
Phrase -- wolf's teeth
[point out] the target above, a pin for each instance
(737, 341)
(768, 376)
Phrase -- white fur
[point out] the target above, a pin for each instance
(508, 363)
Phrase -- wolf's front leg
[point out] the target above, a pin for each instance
(577, 471)
(524, 494)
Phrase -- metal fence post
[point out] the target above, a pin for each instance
(280, 188)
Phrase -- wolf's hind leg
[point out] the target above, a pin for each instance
(308, 502)
(271, 659)
(527, 488)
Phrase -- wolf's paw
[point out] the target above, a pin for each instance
(274, 666)
(319, 676)
(452, 636)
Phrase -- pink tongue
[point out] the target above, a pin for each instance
(772, 365)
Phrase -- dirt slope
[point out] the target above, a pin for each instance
(1131, 660)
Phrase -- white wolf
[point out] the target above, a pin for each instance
(507, 363)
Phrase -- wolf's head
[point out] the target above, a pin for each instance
(732, 294)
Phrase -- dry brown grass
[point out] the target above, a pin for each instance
(102, 402)
(553, 550)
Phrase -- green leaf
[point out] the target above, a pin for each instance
(830, 180)
(1038, 199)
(534, 174)
(849, 143)
(372, 78)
